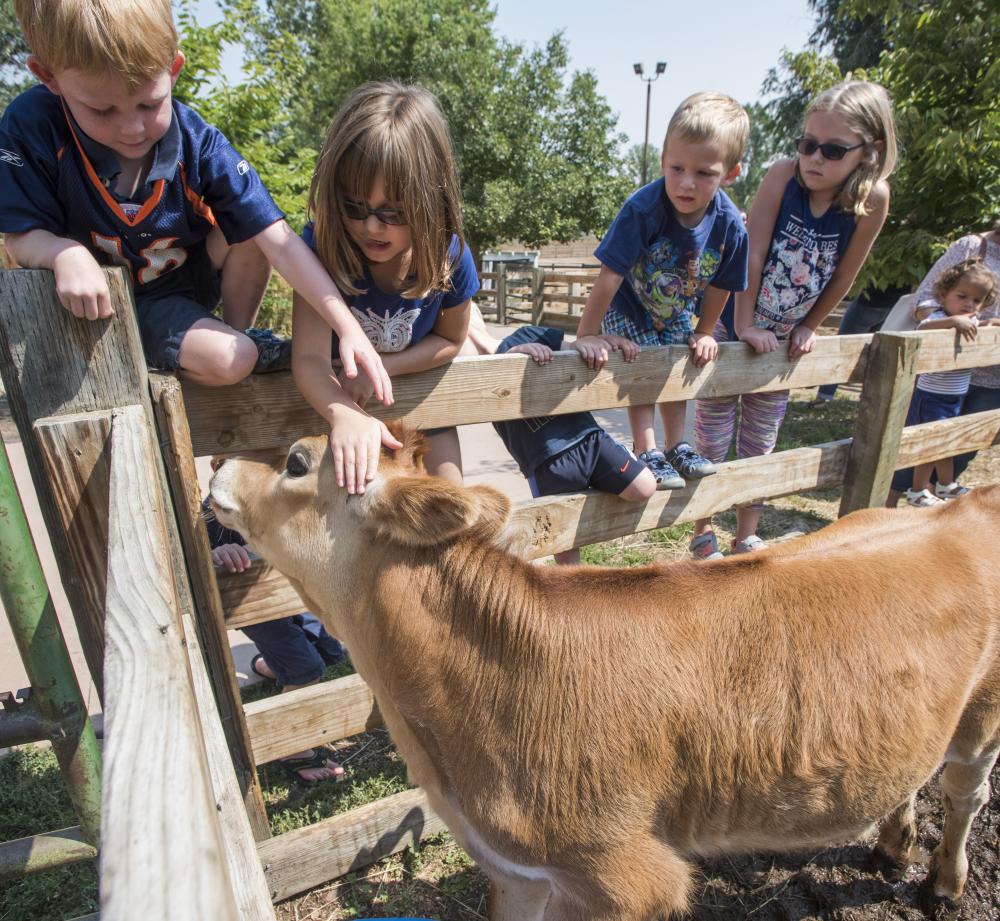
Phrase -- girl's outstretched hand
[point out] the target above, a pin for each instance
(356, 441)
(233, 557)
(357, 351)
(801, 341)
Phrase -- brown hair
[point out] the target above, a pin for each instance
(867, 109)
(713, 117)
(131, 39)
(398, 133)
(973, 270)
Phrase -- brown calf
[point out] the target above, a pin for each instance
(582, 731)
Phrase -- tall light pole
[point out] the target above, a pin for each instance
(661, 66)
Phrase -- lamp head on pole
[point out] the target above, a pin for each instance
(660, 67)
(638, 69)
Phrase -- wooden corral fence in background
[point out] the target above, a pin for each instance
(153, 613)
(548, 296)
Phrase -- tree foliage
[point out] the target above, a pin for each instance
(13, 56)
(633, 164)
(536, 145)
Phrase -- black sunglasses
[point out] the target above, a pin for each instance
(807, 147)
(359, 211)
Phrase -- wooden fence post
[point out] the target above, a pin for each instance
(537, 295)
(885, 397)
(502, 293)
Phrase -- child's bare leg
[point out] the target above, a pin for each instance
(922, 477)
(747, 519)
(673, 416)
(702, 526)
(444, 456)
(245, 274)
(215, 354)
(640, 419)
(641, 488)
(945, 471)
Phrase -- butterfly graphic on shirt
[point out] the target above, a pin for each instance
(391, 333)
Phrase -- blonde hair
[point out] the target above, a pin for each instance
(972, 270)
(867, 109)
(398, 133)
(713, 117)
(134, 40)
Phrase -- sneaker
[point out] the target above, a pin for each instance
(950, 491)
(688, 462)
(705, 547)
(273, 352)
(921, 498)
(666, 476)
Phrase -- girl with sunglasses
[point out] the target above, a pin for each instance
(384, 204)
(812, 224)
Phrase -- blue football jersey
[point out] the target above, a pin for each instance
(54, 177)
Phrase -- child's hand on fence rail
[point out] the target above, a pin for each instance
(233, 557)
(967, 327)
(627, 347)
(705, 349)
(801, 341)
(593, 350)
(542, 354)
(760, 340)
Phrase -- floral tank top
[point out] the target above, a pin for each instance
(804, 253)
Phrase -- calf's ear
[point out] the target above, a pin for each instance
(427, 511)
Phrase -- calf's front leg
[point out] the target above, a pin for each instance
(518, 899)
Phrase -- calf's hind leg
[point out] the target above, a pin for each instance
(965, 789)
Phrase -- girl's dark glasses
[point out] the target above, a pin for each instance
(359, 211)
(807, 147)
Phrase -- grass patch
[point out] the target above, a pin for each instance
(33, 799)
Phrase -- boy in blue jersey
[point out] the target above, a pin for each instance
(565, 453)
(99, 166)
(669, 261)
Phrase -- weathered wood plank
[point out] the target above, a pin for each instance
(266, 410)
(306, 857)
(246, 875)
(183, 477)
(161, 847)
(920, 444)
(313, 715)
(75, 452)
(885, 397)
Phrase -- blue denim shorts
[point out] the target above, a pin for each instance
(166, 315)
(597, 461)
(930, 407)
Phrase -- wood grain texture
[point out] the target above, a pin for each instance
(75, 451)
(885, 398)
(183, 478)
(306, 857)
(161, 849)
(313, 715)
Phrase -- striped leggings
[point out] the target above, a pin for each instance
(761, 415)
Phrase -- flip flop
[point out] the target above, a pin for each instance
(320, 758)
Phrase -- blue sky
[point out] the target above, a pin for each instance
(725, 45)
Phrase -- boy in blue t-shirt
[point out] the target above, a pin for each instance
(669, 261)
(565, 453)
(100, 166)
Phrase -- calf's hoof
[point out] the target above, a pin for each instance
(937, 907)
(887, 865)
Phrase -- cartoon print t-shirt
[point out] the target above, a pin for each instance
(393, 322)
(804, 253)
(667, 266)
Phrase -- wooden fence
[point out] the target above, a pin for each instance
(134, 557)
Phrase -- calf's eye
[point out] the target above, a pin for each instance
(297, 464)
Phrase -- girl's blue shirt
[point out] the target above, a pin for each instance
(393, 322)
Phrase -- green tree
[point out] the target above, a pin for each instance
(14, 75)
(633, 164)
(536, 145)
(942, 67)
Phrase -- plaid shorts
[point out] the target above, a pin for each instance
(617, 324)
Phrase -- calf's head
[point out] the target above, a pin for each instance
(291, 511)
